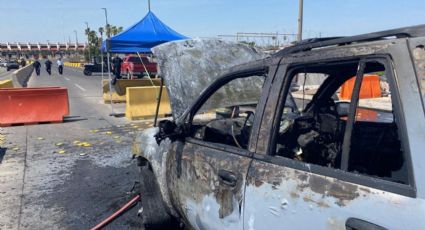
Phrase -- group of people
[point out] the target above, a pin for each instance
(48, 65)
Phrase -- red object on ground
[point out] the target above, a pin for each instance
(33, 105)
(371, 88)
(117, 213)
(132, 65)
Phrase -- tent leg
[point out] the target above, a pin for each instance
(101, 57)
(102, 64)
(110, 85)
(158, 103)
(147, 73)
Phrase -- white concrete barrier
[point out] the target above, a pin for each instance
(21, 76)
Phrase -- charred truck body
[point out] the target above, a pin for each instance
(326, 134)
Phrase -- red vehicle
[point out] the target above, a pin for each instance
(133, 66)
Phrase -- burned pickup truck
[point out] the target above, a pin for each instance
(246, 149)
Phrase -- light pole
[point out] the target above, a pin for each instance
(107, 24)
(108, 62)
(88, 42)
(300, 21)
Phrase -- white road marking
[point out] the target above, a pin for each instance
(78, 86)
(67, 79)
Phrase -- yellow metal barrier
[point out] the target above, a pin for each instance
(6, 84)
(119, 89)
(142, 102)
(74, 64)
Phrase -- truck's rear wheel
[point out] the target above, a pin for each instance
(154, 214)
(87, 72)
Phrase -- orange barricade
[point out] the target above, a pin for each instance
(370, 88)
(33, 105)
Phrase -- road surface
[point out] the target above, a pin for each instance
(70, 175)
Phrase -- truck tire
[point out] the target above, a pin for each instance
(155, 214)
(87, 72)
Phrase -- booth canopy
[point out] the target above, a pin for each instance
(142, 36)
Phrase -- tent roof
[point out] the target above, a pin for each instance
(147, 33)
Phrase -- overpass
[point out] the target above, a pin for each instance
(53, 47)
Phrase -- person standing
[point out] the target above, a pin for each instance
(37, 66)
(60, 66)
(48, 65)
(116, 65)
(23, 63)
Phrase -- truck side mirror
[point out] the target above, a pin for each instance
(168, 129)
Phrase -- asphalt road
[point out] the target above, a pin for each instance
(69, 175)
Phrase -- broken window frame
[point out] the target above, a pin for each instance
(258, 69)
(408, 190)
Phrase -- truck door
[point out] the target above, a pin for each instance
(213, 159)
(337, 164)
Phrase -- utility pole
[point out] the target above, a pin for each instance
(300, 21)
(88, 42)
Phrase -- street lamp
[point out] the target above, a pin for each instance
(88, 42)
(108, 61)
(107, 24)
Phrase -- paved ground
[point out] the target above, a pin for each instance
(49, 180)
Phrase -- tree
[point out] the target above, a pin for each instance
(95, 40)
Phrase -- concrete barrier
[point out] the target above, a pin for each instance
(33, 105)
(74, 64)
(6, 84)
(119, 89)
(21, 76)
(142, 102)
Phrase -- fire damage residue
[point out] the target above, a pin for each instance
(189, 66)
(278, 177)
(201, 167)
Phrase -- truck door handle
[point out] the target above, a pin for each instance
(357, 224)
(227, 178)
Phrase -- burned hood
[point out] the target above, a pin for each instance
(189, 66)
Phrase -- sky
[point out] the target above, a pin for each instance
(56, 20)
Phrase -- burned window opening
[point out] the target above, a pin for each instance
(227, 116)
(315, 134)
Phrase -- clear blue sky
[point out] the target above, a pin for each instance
(55, 20)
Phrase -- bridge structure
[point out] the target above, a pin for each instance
(30, 46)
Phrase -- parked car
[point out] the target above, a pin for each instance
(11, 65)
(95, 67)
(291, 159)
(133, 66)
(3, 63)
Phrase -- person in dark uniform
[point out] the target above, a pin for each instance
(37, 66)
(23, 63)
(116, 65)
(48, 65)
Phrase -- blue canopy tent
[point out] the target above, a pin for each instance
(142, 36)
